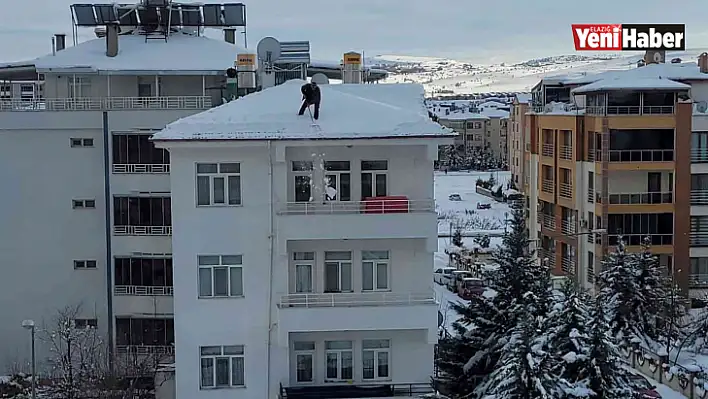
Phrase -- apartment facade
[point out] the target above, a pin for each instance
(301, 265)
(471, 128)
(518, 142)
(618, 156)
(477, 131)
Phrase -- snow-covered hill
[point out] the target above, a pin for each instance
(442, 76)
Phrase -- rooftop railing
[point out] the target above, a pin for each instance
(107, 103)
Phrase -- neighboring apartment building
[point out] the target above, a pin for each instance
(614, 151)
(471, 128)
(483, 130)
(518, 142)
(304, 265)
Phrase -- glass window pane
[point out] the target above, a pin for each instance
(367, 183)
(303, 278)
(219, 190)
(304, 368)
(331, 188)
(236, 281)
(373, 255)
(208, 260)
(208, 372)
(381, 186)
(231, 260)
(203, 190)
(374, 165)
(221, 281)
(303, 189)
(237, 371)
(304, 346)
(345, 189)
(347, 366)
(383, 364)
(210, 350)
(331, 277)
(346, 276)
(222, 371)
(332, 358)
(229, 168)
(368, 365)
(338, 345)
(205, 281)
(339, 255)
(206, 168)
(234, 190)
(299, 166)
(233, 350)
(368, 276)
(381, 276)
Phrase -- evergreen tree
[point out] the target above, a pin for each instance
(457, 238)
(607, 377)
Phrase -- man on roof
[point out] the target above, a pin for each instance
(310, 96)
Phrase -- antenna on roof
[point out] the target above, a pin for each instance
(268, 51)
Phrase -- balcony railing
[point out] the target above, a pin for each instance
(135, 168)
(142, 230)
(146, 349)
(566, 152)
(591, 237)
(335, 300)
(699, 155)
(641, 198)
(630, 110)
(547, 150)
(374, 206)
(549, 221)
(698, 280)
(567, 227)
(547, 256)
(547, 186)
(641, 155)
(639, 239)
(143, 290)
(565, 190)
(568, 265)
(699, 197)
(699, 239)
(591, 195)
(107, 104)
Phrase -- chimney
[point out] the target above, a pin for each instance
(60, 41)
(703, 62)
(112, 40)
(230, 35)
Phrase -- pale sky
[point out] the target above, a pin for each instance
(482, 31)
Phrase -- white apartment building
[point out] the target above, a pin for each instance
(303, 254)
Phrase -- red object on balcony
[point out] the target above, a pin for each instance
(388, 204)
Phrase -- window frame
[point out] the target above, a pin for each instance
(340, 360)
(308, 171)
(222, 263)
(340, 274)
(303, 258)
(79, 87)
(218, 175)
(85, 323)
(83, 204)
(232, 353)
(85, 264)
(376, 351)
(375, 262)
(312, 353)
(374, 172)
(337, 174)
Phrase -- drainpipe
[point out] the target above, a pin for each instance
(271, 238)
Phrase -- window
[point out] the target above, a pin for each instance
(302, 175)
(218, 184)
(375, 267)
(147, 331)
(304, 361)
(304, 265)
(373, 179)
(83, 204)
(338, 271)
(79, 87)
(375, 359)
(337, 181)
(699, 268)
(220, 276)
(478, 125)
(142, 211)
(699, 147)
(79, 142)
(339, 360)
(85, 323)
(85, 264)
(591, 268)
(131, 149)
(149, 272)
(222, 366)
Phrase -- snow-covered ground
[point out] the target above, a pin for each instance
(465, 212)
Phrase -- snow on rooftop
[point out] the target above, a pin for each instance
(683, 71)
(181, 53)
(523, 98)
(460, 115)
(632, 83)
(348, 111)
(495, 113)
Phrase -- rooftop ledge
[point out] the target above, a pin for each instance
(106, 104)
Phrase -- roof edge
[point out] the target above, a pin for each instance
(419, 136)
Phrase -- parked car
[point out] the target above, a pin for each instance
(454, 197)
(484, 205)
(456, 279)
(644, 388)
(440, 274)
(469, 287)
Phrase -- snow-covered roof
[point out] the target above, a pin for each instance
(523, 98)
(461, 115)
(495, 113)
(181, 54)
(348, 111)
(492, 103)
(631, 83)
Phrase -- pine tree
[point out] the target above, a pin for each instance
(607, 377)
(457, 238)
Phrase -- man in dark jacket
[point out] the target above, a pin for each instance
(310, 96)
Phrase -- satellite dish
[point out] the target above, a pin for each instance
(269, 49)
(658, 57)
(320, 79)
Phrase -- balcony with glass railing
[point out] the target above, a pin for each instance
(651, 198)
(612, 110)
(657, 155)
(107, 104)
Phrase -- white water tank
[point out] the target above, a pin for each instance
(352, 68)
(246, 69)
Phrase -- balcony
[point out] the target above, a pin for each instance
(157, 169)
(566, 190)
(357, 311)
(699, 155)
(168, 350)
(547, 150)
(567, 227)
(699, 239)
(383, 389)
(568, 265)
(548, 257)
(641, 155)
(699, 197)
(698, 280)
(566, 152)
(547, 186)
(632, 239)
(142, 230)
(142, 290)
(386, 217)
(107, 104)
(641, 198)
(630, 110)
(549, 221)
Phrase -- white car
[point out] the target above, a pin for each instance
(441, 274)
(454, 197)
